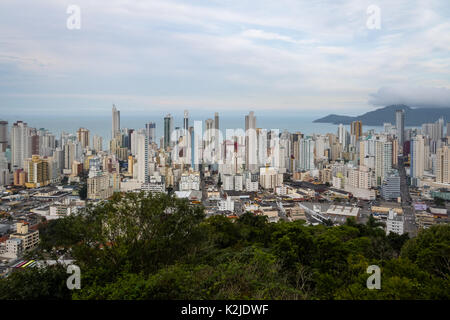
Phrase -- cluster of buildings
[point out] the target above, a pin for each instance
(264, 171)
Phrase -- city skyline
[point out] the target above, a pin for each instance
(221, 150)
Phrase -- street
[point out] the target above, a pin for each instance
(408, 210)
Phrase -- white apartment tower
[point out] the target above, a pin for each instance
(443, 165)
(417, 157)
(250, 142)
(142, 173)
(115, 122)
(400, 125)
(20, 144)
(383, 160)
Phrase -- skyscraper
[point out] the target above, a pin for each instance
(115, 122)
(97, 143)
(306, 154)
(3, 135)
(383, 159)
(83, 137)
(192, 147)
(216, 121)
(417, 151)
(356, 129)
(343, 136)
(250, 142)
(186, 122)
(20, 144)
(69, 154)
(186, 141)
(400, 125)
(209, 127)
(216, 132)
(150, 130)
(443, 165)
(38, 172)
(168, 129)
(141, 167)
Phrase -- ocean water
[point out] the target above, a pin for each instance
(101, 125)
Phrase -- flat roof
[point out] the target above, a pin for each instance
(343, 211)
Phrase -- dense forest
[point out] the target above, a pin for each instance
(139, 246)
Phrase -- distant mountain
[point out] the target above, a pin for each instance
(413, 117)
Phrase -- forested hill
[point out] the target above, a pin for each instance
(413, 117)
(159, 247)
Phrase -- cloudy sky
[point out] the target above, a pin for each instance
(160, 55)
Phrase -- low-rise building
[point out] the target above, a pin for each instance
(13, 248)
(343, 211)
(395, 223)
(190, 181)
(226, 205)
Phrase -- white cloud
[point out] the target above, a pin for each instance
(312, 54)
(412, 96)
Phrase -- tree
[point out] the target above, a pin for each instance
(155, 246)
(36, 283)
(430, 250)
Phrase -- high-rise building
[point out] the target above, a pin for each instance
(83, 137)
(186, 122)
(306, 154)
(168, 129)
(269, 178)
(209, 140)
(115, 122)
(193, 147)
(394, 151)
(4, 170)
(356, 129)
(390, 189)
(343, 136)
(216, 132)
(97, 143)
(20, 177)
(186, 142)
(34, 142)
(69, 154)
(150, 130)
(141, 168)
(3, 135)
(417, 150)
(443, 165)
(216, 121)
(400, 125)
(250, 142)
(47, 143)
(383, 160)
(20, 144)
(38, 172)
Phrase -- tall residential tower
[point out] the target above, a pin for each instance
(400, 125)
(115, 122)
